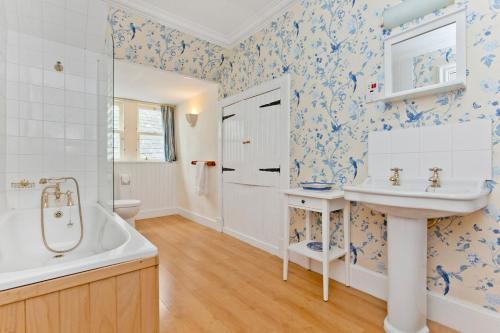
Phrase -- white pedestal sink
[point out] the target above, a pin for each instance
(407, 208)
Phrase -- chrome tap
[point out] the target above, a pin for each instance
(435, 181)
(395, 179)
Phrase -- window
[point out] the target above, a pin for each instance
(151, 143)
(118, 130)
(138, 131)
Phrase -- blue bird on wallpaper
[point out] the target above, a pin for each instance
(336, 127)
(448, 54)
(335, 47)
(413, 116)
(476, 106)
(296, 26)
(297, 165)
(297, 95)
(183, 46)
(222, 59)
(353, 3)
(354, 164)
(285, 69)
(354, 254)
(442, 273)
(133, 29)
(297, 235)
(258, 49)
(354, 80)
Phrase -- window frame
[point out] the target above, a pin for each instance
(130, 135)
(154, 107)
(121, 129)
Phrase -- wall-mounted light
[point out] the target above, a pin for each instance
(411, 9)
(192, 118)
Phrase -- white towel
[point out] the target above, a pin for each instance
(201, 185)
(125, 179)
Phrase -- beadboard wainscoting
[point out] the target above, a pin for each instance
(151, 182)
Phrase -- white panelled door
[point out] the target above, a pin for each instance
(252, 137)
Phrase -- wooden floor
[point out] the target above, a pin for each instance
(211, 282)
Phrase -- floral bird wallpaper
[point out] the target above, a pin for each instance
(332, 49)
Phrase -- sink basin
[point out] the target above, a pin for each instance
(454, 197)
(407, 208)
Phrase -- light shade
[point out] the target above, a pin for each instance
(192, 118)
(411, 9)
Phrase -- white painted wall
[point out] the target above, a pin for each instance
(154, 183)
(197, 143)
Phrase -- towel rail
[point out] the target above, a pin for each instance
(208, 163)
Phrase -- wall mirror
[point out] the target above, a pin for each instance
(427, 59)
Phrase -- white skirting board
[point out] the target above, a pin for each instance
(454, 313)
(151, 213)
(215, 224)
(252, 241)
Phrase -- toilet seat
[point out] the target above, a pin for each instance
(126, 203)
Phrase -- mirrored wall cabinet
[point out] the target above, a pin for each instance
(427, 59)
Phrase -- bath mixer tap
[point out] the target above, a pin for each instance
(54, 184)
(395, 179)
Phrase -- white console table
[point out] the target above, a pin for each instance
(324, 203)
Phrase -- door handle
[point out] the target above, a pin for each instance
(246, 142)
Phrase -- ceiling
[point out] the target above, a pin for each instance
(223, 22)
(145, 83)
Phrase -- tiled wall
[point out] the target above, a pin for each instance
(51, 116)
(3, 59)
(463, 151)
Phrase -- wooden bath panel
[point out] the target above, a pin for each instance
(121, 298)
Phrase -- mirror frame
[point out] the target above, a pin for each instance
(457, 16)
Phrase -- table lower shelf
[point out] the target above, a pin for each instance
(302, 249)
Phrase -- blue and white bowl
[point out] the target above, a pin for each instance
(317, 186)
(316, 246)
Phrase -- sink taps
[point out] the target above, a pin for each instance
(435, 181)
(395, 179)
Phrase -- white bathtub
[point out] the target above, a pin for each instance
(24, 259)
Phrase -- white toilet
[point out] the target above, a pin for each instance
(127, 209)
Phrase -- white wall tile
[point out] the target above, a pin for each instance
(53, 113)
(474, 135)
(52, 129)
(436, 138)
(380, 165)
(441, 160)
(31, 128)
(461, 150)
(379, 142)
(75, 83)
(28, 110)
(75, 115)
(75, 131)
(409, 162)
(53, 96)
(406, 141)
(53, 79)
(75, 99)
